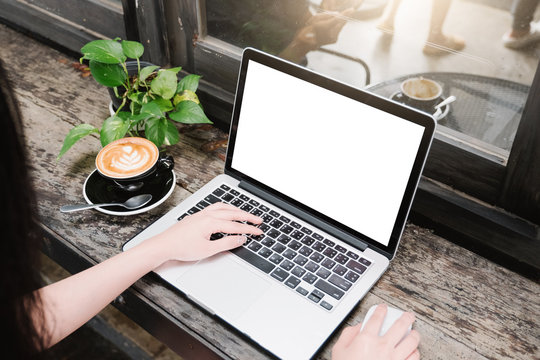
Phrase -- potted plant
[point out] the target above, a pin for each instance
(150, 99)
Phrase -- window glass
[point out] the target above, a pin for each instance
(482, 52)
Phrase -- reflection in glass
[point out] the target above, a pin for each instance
(483, 52)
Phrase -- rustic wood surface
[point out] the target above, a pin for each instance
(466, 306)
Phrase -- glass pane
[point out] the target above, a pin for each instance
(482, 52)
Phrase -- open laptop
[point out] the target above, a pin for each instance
(332, 170)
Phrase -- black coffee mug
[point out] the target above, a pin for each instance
(163, 164)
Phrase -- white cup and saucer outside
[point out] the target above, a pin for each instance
(128, 167)
(422, 94)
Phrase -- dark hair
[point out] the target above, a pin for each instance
(21, 308)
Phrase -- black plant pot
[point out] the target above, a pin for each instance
(132, 70)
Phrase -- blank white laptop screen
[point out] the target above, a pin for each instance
(338, 156)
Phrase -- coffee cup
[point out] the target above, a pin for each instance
(421, 93)
(130, 161)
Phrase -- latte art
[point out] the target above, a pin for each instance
(127, 158)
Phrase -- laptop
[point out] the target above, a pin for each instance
(332, 170)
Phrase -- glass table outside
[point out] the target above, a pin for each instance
(486, 108)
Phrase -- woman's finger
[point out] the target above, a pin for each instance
(348, 335)
(231, 227)
(237, 215)
(373, 325)
(399, 328)
(227, 243)
(409, 344)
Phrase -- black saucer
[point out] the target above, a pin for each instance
(400, 98)
(98, 189)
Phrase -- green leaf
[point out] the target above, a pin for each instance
(164, 105)
(114, 128)
(155, 130)
(172, 136)
(176, 70)
(164, 84)
(132, 49)
(152, 108)
(186, 95)
(110, 75)
(104, 51)
(189, 82)
(146, 71)
(74, 135)
(188, 112)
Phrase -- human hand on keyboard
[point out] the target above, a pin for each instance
(189, 239)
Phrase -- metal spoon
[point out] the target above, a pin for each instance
(131, 203)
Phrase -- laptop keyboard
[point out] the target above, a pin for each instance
(292, 253)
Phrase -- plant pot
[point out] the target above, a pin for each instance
(132, 70)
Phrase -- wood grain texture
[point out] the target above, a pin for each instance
(466, 306)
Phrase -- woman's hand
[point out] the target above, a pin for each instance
(189, 239)
(367, 344)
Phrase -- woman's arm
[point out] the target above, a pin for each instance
(71, 302)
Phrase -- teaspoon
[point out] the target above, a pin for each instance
(131, 203)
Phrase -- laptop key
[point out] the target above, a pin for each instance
(295, 225)
(246, 207)
(365, 261)
(316, 257)
(273, 233)
(298, 271)
(237, 202)
(255, 246)
(218, 192)
(265, 252)
(287, 229)
(308, 241)
(292, 282)
(339, 282)
(352, 255)
(295, 245)
(356, 266)
(279, 274)
(326, 305)
(264, 208)
(284, 239)
(279, 248)
(317, 236)
(329, 252)
(341, 249)
(276, 223)
(227, 197)
(311, 266)
(287, 265)
(329, 289)
(352, 276)
(297, 234)
(202, 204)
(289, 254)
(211, 199)
(284, 219)
(244, 197)
(300, 260)
(309, 278)
(305, 230)
(329, 242)
(314, 296)
(268, 241)
(340, 270)
(302, 291)
(254, 202)
(319, 246)
(323, 273)
(274, 213)
(342, 259)
(329, 264)
(276, 258)
(225, 187)
(305, 251)
(253, 259)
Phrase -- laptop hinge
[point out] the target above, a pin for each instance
(324, 226)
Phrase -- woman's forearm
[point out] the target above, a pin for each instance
(71, 302)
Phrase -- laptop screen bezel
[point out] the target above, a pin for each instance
(367, 98)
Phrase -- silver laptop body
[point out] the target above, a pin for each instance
(338, 168)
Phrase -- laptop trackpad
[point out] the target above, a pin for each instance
(223, 286)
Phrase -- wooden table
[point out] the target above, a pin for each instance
(466, 306)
